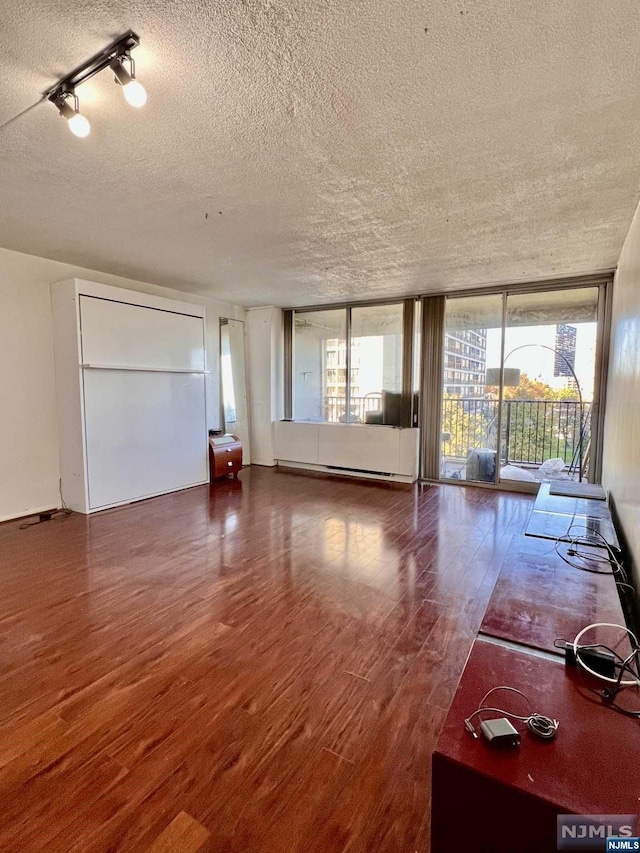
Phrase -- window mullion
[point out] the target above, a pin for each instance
(347, 417)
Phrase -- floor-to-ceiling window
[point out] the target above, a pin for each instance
(508, 382)
(347, 364)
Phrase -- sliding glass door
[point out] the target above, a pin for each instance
(548, 385)
(520, 386)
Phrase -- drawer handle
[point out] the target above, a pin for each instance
(228, 449)
(230, 464)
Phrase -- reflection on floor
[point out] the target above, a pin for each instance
(260, 666)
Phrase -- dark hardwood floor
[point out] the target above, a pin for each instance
(264, 665)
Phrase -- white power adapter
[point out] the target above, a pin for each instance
(500, 732)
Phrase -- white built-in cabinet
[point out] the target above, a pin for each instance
(356, 450)
(130, 386)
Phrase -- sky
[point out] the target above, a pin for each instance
(538, 363)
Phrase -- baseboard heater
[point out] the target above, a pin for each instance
(362, 451)
(359, 471)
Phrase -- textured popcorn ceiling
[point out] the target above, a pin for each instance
(310, 151)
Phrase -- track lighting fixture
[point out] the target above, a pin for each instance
(113, 56)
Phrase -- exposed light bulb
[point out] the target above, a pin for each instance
(79, 125)
(135, 93)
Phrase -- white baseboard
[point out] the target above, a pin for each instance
(26, 513)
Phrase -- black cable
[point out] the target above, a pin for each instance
(576, 542)
(64, 512)
(608, 695)
(604, 544)
(623, 663)
(50, 516)
(22, 113)
(602, 696)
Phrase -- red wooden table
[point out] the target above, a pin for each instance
(506, 801)
(538, 598)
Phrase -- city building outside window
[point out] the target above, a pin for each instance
(373, 364)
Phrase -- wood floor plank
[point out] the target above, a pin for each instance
(260, 665)
(183, 835)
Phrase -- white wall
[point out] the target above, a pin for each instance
(265, 353)
(621, 460)
(29, 469)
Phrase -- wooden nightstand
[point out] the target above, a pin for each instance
(225, 455)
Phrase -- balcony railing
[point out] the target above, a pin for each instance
(335, 408)
(533, 430)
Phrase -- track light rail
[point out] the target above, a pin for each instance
(120, 47)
